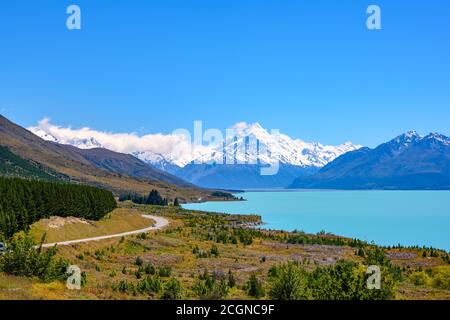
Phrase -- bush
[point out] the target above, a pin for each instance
(419, 278)
(290, 283)
(377, 257)
(255, 287)
(24, 258)
(172, 290)
(125, 287)
(139, 262)
(231, 279)
(211, 287)
(214, 251)
(150, 285)
(343, 281)
(150, 269)
(441, 278)
(165, 272)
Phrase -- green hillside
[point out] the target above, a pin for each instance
(12, 165)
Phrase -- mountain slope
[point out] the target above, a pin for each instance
(409, 161)
(12, 165)
(126, 164)
(102, 168)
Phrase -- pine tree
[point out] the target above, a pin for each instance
(23, 202)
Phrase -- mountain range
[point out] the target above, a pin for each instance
(204, 166)
(410, 161)
(25, 154)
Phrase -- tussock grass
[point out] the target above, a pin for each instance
(108, 263)
(63, 229)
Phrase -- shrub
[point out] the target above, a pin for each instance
(150, 285)
(214, 251)
(255, 287)
(150, 269)
(172, 290)
(139, 262)
(441, 278)
(165, 272)
(290, 283)
(99, 255)
(125, 287)
(348, 281)
(142, 236)
(211, 287)
(419, 278)
(231, 279)
(24, 258)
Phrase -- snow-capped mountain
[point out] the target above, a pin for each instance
(247, 144)
(252, 144)
(43, 134)
(81, 143)
(409, 161)
(161, 162)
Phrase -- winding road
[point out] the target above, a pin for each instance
(159, 224)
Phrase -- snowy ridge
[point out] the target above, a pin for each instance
(279, 148)
(178, 151)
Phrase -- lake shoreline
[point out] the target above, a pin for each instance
(388, 218)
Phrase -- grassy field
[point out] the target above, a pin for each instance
(195, 242)
(58, 229)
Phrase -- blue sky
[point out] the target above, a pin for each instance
(310, 68)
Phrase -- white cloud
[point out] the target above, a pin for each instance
(176, 147)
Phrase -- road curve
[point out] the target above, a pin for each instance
(159, 224)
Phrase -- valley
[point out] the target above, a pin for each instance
(146, 247)
(117, 172)
(199, 244)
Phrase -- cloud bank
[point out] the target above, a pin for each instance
(176, 147)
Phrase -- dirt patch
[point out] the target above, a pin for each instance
(157, 259)
(401, 255)
(58, 222)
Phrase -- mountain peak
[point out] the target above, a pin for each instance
(438, 137)
(249, 129)
(407, 138)
(413, 134)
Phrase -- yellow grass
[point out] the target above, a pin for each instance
(62, 229)
(15, 288)
(108, 262)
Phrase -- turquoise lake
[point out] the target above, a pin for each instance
(386, 217)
